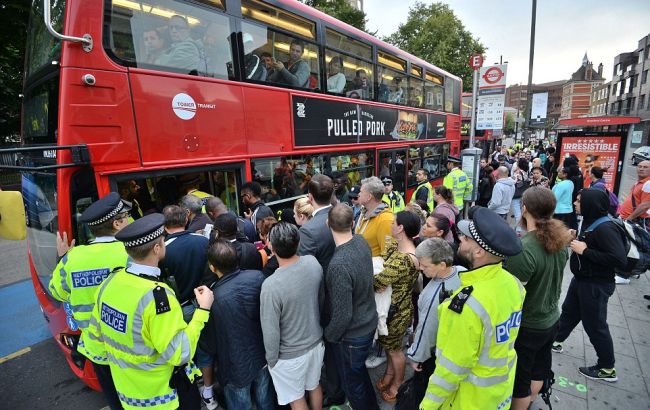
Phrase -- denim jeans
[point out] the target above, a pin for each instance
(351, 355)
(586, 301)
(240, 397)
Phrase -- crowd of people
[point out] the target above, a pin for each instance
(286, 309)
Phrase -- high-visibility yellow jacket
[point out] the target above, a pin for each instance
(427, 186)
(394, 201)
(475, 349)
(144, 345)
(204, 197)
(461, 186)
(79, 273)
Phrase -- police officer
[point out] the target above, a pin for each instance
(392, 198)
(83, 268)
(458, 181)
(475, 355)
(139, 322)
(424, 190)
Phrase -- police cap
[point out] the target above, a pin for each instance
(354, 191)
(146, 229)
(491, 232)
(451, 158)
(387, 180)
(104, 209)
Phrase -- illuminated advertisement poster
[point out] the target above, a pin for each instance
(594, 150)
(326, 122)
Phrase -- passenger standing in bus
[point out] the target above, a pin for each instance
(336, 78)
(82, 269)
(360, 84)
(184, 52)
(254, 208)
(296, 72)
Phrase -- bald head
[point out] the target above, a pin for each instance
(340, 218)
(502, 172)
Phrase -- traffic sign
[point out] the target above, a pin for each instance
(476, 61)
(493, 75)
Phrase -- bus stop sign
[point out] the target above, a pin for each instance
(476, 61)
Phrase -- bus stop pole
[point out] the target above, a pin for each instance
(472, 132)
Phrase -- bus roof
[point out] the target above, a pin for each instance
(362, 35)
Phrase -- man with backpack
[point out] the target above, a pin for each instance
(597, 252)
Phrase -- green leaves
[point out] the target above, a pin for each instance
(342, 10)
(434, 33)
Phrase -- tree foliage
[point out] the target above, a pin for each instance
(13, 27)
(342, 10)
(434, 33)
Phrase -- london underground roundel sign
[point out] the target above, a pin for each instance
(493, 75)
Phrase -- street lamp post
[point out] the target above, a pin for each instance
(530, 73)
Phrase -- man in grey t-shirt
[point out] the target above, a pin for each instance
(290, 313)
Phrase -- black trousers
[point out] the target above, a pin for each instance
(330, 379)
(105, 379)
(586, 301)
(410, 399)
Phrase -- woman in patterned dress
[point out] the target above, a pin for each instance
(400, 272)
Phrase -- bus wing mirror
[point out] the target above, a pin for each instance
(86, 40)
(12, 216)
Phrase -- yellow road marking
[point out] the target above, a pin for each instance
(15, 354)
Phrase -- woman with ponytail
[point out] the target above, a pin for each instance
(539, 267)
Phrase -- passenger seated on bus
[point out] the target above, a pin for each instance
(360, 85)
(296, 73)
(255, 69)
(154, 45)
(397, 92)
(336, 79)
(217, 51)
(184, 52)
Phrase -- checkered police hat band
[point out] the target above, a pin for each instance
(144, 239)
(108, 216)
(481, 242)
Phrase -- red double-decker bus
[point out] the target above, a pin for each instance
(139, 96)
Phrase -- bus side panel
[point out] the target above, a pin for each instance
(453, 133)
(182, 120)
(268, 120)
(100, 116)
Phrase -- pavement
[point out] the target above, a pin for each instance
(26, 349)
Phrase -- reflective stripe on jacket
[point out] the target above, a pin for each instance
(429, 188)
(475, 354)
(395, 201)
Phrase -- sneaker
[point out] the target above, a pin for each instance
(374, 361)
(557, 347)
(594, 373)
(621, 280)
(211, 402)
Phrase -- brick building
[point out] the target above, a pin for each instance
(516, 98)
(577, 92)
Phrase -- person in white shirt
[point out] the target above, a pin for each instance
(336, 80)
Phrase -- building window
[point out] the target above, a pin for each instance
(644, 77)
(642, 102)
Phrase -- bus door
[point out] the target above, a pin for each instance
(153, 190)
(392, 163)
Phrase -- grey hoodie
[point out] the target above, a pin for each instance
(502, 195)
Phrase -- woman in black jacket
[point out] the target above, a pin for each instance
(597, 252)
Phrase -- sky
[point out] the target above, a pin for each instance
(565, 30)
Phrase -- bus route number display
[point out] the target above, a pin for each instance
(327, 122)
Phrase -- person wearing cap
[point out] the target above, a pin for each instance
(353, 194)
(392, 198)
(139, 322)
(475, 355)
(83, 268)
(424, 190)
(458, 181)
